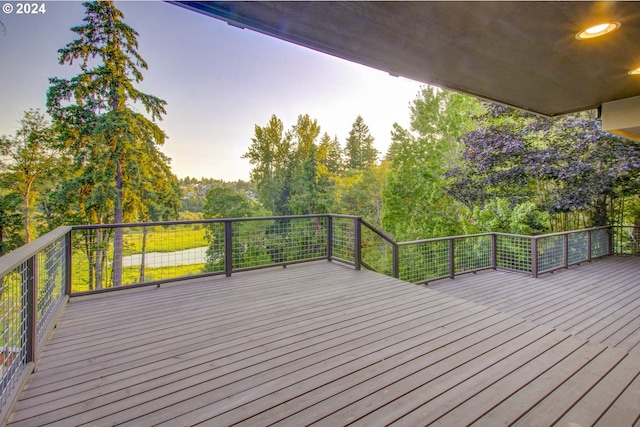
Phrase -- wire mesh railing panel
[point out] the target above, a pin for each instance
(214, 254)
(551, 253)
(343, 237)
(150, 253)
(626, 240)
(600, 243)
(513, 252)
(51, 282)
(264, 242)
(423, 261)
(13, 340)
(377, 253)
(578, 247)
(472, 253)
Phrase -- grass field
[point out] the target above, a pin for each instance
(165, 240)
(158, 239)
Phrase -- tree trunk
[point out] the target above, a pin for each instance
(600, 212)
(27, 235)
(118, 244)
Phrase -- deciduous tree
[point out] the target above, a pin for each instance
(26, 159)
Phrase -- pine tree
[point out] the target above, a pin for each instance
(359, 150)
(109, 140)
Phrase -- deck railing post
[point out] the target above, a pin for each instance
(357, 249)
(395, 254)
(565, 241)
(494, 262)
(228, 248)
(589, 245)
(31, 309)
(452, 259)
(534, 257)
(68, 265)
(329, 237)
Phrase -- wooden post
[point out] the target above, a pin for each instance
(565, 239)
(494, 262)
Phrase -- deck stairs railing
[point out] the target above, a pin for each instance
(37, 279)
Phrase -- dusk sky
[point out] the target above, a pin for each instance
(219, 82)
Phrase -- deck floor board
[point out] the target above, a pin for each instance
(597, 301)
(323, 344)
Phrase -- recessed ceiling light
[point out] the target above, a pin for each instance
(598, 30)
(635, 72)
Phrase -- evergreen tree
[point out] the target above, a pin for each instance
(359, 150)
(109, 140)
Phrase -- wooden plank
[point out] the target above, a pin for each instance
(516, 405)
(330, 310)
(108, 347)
(263, 378)
(587, 300)
(624, 411)
(323, 343)
(276, 329)
(194, 366)
(392, 402)
(554, 406)
(470, 405)
(443, 342)
(603, 395)
(235, 380)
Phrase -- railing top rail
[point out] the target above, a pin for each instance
(345, 216)
(201, 221)
(14, 258)
(379, 232)
(437, 239)
(582, 230)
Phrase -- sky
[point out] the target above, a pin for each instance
(219, 82)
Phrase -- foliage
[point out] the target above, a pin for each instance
(567, 167)
(269, 153)
(292, 171)
(359, 192)
(415, 204)
(10, 222)
(28, 161)
(223, 202)
(499, 215)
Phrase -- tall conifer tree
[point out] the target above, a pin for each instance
(110, 141)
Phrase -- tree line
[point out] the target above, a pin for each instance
(462, 166)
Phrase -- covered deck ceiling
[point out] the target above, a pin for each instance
(522, 54)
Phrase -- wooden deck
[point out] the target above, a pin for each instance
(597, 301)
(323, 344)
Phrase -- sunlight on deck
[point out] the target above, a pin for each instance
(322, 343)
